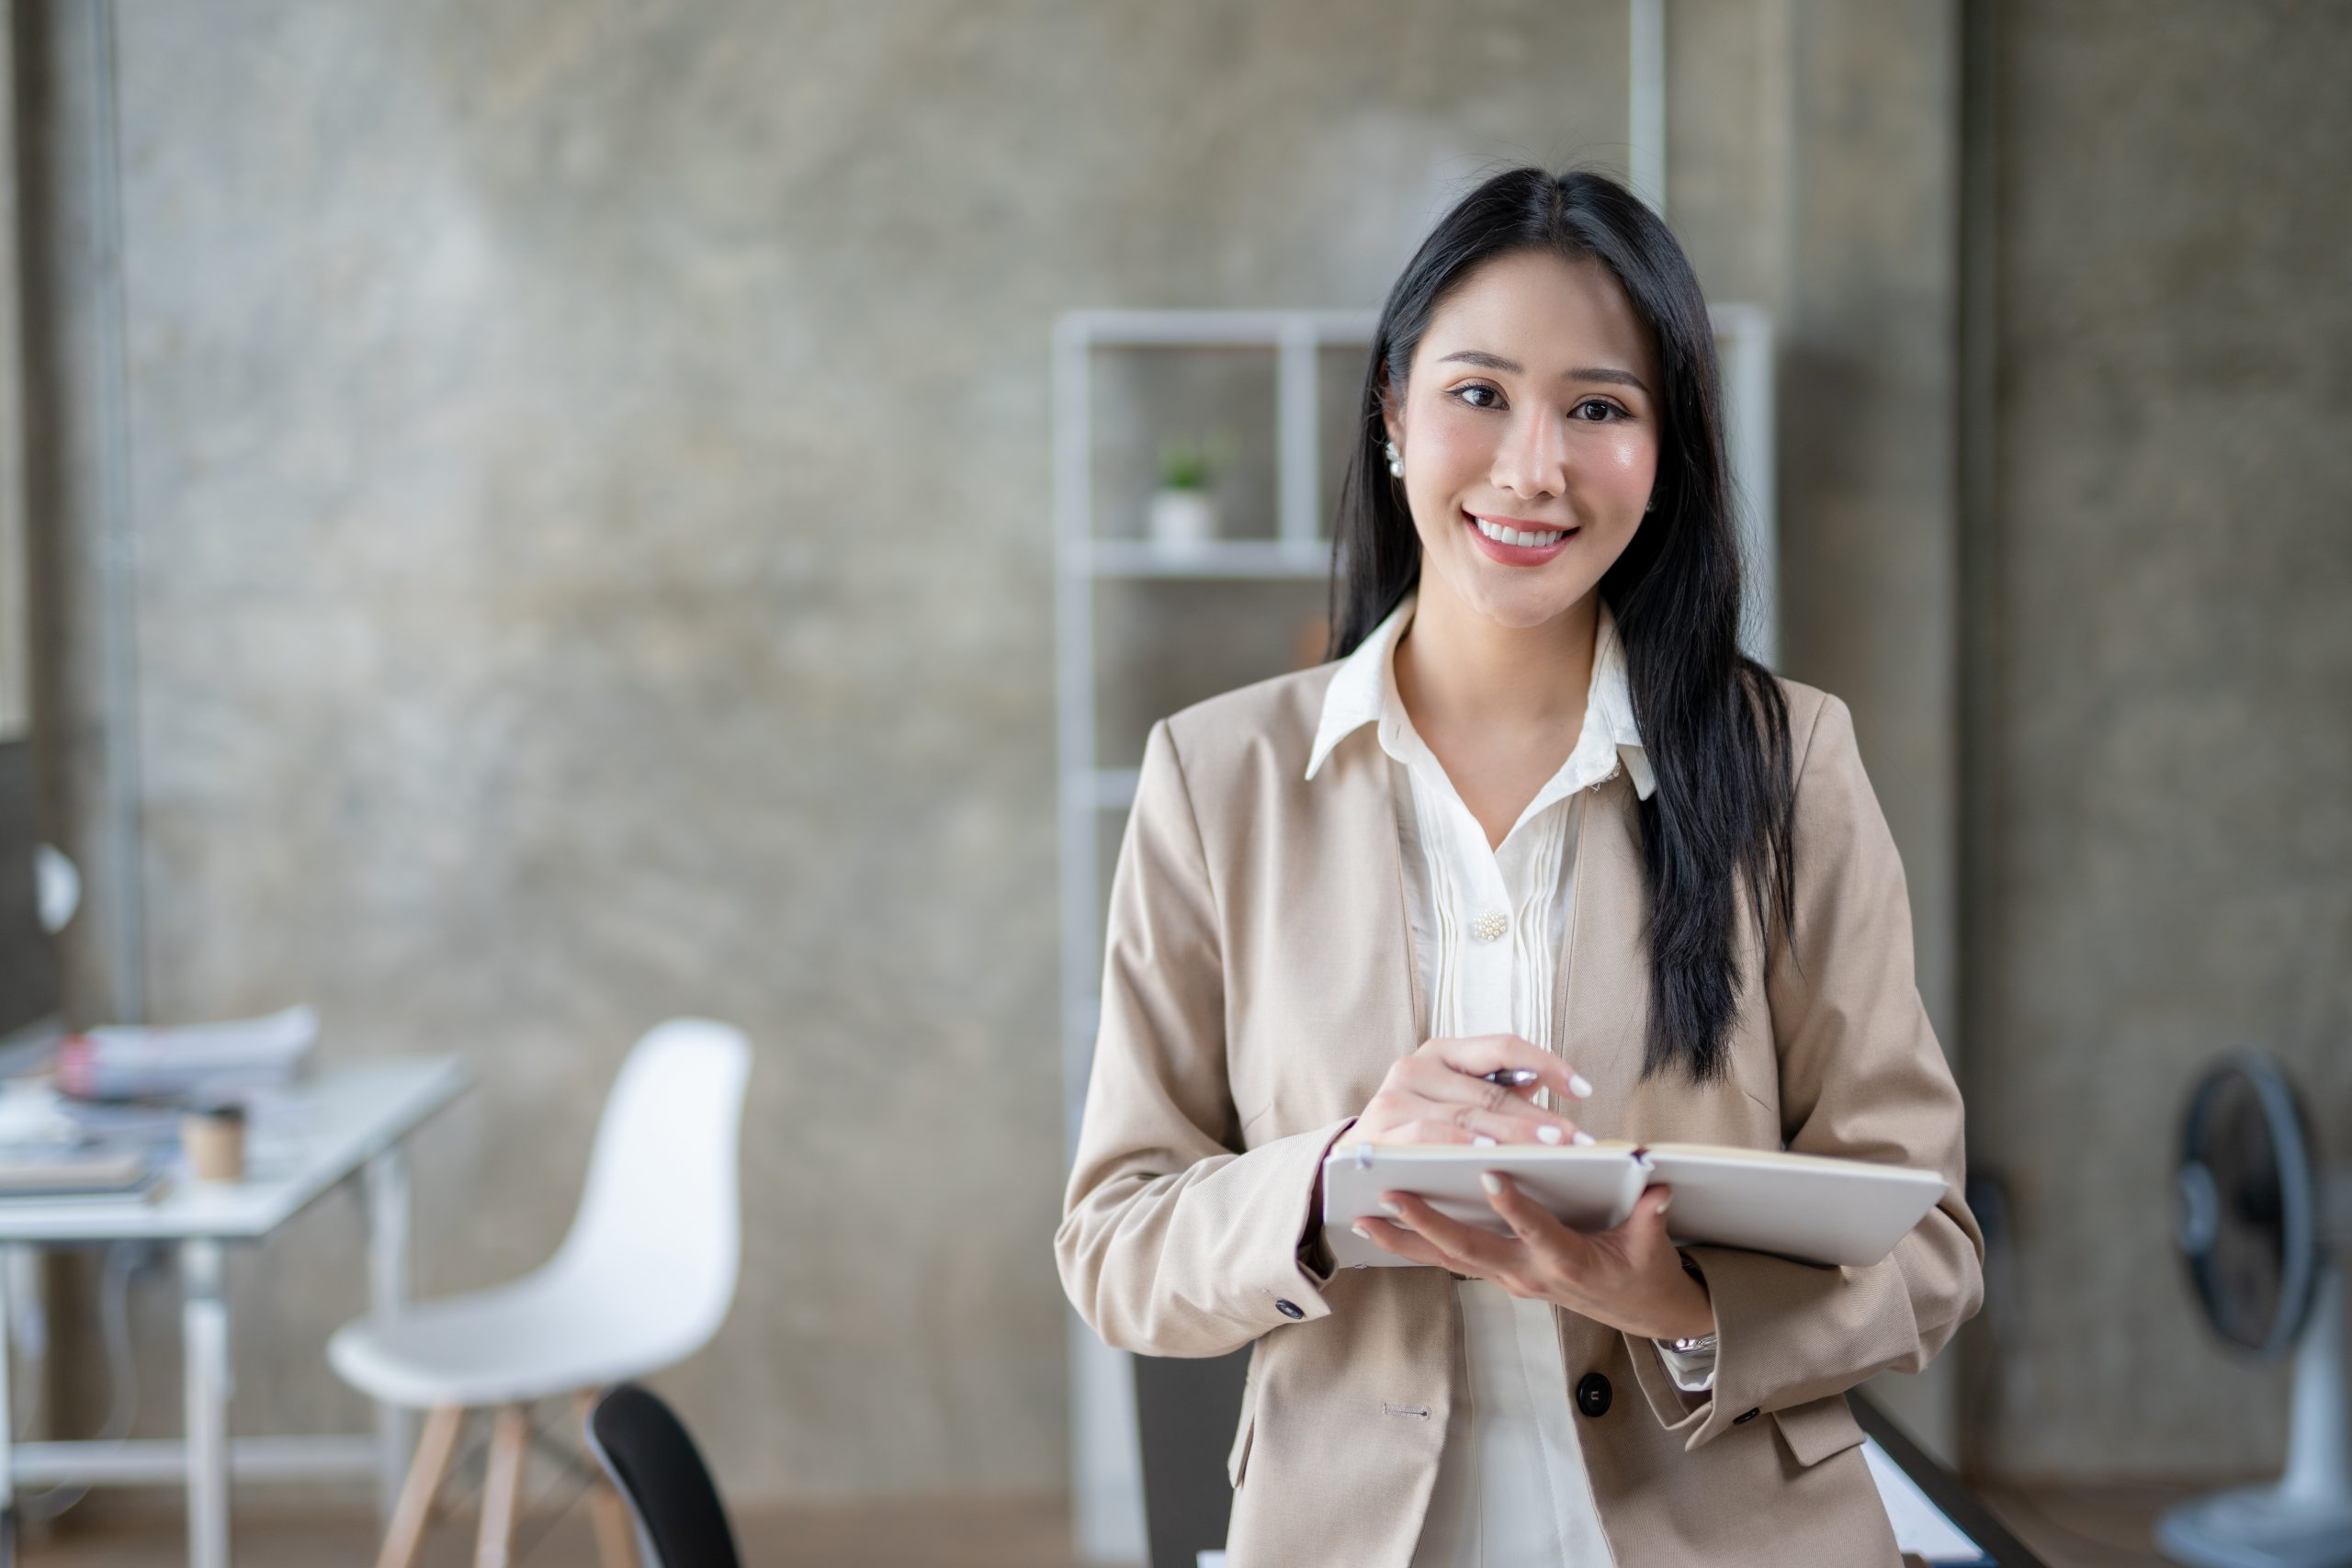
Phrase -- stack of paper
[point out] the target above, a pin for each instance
(79, 1172)
(189, 1062)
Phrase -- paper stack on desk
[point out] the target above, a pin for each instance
(44, 1155)
(1808, 1207)
(90, 1172)
(188, 1062)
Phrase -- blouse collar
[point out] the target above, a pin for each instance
(1363, 691)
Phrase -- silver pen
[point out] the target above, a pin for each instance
(1512, 1078)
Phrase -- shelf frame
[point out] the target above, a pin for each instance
(1300, 551)
(1107, 1472)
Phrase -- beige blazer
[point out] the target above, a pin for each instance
(1257, 983)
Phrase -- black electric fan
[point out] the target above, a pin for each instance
(2259, 1222)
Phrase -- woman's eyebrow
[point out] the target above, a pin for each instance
(1581, 373)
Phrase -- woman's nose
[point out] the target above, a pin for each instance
(1534, 459)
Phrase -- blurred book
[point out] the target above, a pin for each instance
(186, 1063)
(49, 1174)
(153, 1119)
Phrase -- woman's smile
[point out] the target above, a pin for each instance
(1528, 422)
(1516, 541)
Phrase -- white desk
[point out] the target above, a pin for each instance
(347, 1122)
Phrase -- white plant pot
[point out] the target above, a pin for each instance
(1183, 520)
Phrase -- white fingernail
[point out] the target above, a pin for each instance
(1361, 1232)
(1549, 1134)
(1394, 1209)
(1494, 1184)
(1580, 1085)
(1583, 1136)
(1483, 1142)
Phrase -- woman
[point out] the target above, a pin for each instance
(1538, 812)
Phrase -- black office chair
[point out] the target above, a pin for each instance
(659, 1474)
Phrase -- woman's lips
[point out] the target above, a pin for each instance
(1516, 554)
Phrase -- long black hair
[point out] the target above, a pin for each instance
(1714, 723)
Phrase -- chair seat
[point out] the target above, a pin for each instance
(544, 1335)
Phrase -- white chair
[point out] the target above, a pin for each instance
(642, 1281)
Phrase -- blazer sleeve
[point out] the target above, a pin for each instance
(1173, 1240)
(1861, 1077)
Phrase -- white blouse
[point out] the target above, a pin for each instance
(1488, 924)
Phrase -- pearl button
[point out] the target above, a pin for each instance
(1490, 927)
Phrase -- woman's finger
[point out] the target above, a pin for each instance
(1429, 1130)
(1468, 1123)
(1646, 1226)
(1508, 1126)
(1398, 1240)
(1501, 1112)
(1480, 1054)
(1535, 1224)
(1474, 1251)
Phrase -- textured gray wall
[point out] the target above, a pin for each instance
(1813, 167)
(16, 605)
(2171, 761)
(590, 462)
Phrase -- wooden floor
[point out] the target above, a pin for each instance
(994, 1534)
(2077, 1527)
(2087, 1526)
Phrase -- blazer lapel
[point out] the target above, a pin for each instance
(1370, 858)
(1323, 944)
(1401, 919)
(1600, 1008)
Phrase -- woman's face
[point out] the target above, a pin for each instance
(1529, 408)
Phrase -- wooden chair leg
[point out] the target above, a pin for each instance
(425, 1473)
(501, 1490)
(616, 1540)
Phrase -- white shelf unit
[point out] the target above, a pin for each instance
(1106, 1472)
(1106, 1481)
(1300, 551)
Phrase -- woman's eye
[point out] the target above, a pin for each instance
(1607, 410)
(1469, 394)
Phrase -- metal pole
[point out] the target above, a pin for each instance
(8, 1414)
(204, 1333)
(386, 1176)
(118, 539)
(1645, 103)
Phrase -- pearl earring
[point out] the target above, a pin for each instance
(1396, 461)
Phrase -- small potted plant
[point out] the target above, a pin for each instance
(1183, 513)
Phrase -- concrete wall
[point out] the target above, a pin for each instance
(1813, 157)
(16, 605)
(589, 469)
(2173, 759)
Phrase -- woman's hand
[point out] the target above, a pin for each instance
(1435, 1096)
(1630, 1278)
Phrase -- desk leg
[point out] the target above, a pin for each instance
(7, 1418)
(387, 1180)
(204, 1332)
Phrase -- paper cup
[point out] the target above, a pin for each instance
(215, 1140)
